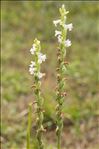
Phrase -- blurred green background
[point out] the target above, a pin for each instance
(21, 22)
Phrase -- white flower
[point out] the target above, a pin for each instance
(40, 75)
(59, 39)
(33, 49)
(57, 33)
(41, 58)
(55, 22)
(68, 26)
(32, 64)
(68, 43)
(32, 70)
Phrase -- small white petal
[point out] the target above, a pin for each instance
(68, 43)
(68, 26)
(59, 39)
(55, 22)
(33, 49)
(57, 33)
(40, 75)
(32, 64)
(41, 58)
(31, 70)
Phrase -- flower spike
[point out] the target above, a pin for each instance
(61, 68)
(34, 69)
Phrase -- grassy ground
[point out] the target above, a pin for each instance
(21, 23)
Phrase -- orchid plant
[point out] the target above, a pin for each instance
(61, 35)
(35, 70)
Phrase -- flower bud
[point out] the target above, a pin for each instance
(33, 86)
(64, 94)
(66, 62)
(57, 69)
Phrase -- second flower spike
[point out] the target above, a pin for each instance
(61, 35)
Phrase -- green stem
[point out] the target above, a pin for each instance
(39, 101)
(29, 125)
(40, 118)
(39, 113)
(59, 142)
